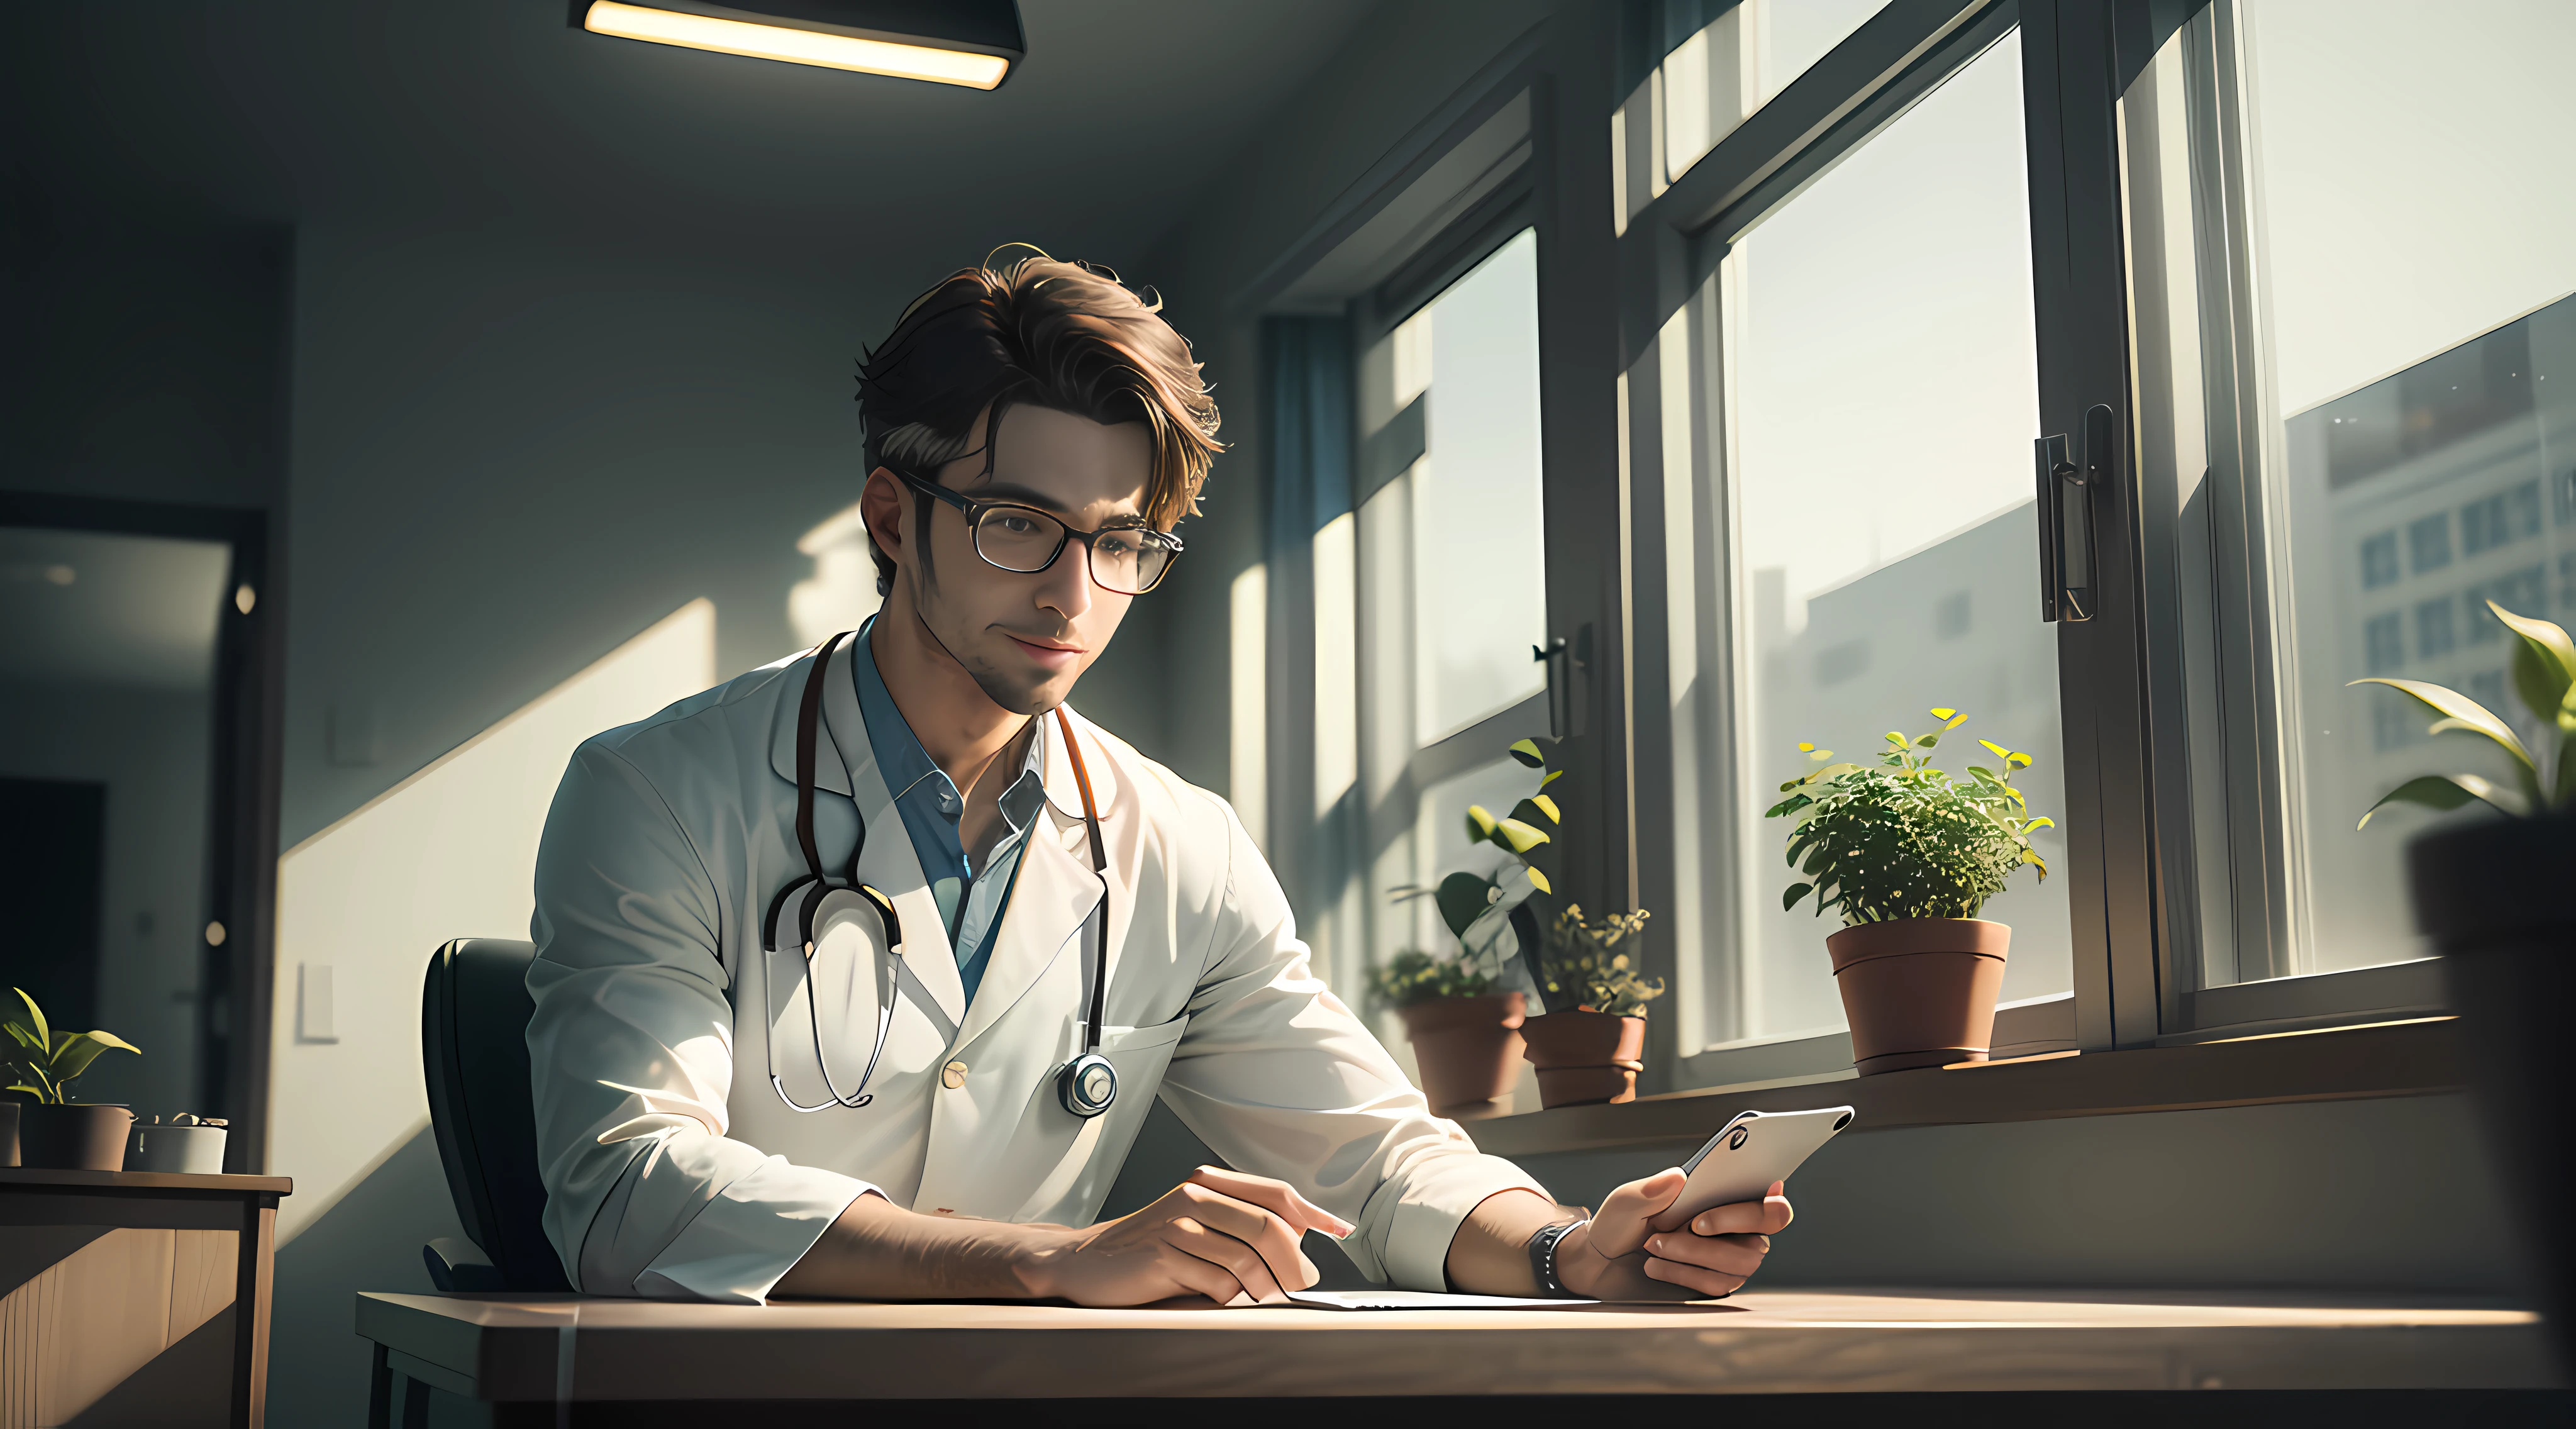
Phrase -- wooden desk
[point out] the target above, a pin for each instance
(675, 1363)
(135, 1297)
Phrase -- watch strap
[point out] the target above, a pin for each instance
(1542, 1253)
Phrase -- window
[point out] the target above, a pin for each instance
(2386, 638)
(1845, 414)
(2346, 367)
(2434, 636)
(1693, 70)
(2379, 560)
(1453, 588)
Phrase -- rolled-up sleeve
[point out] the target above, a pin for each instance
(631, 1050)
(1279, 1077)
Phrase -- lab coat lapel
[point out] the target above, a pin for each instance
(845, 761)
(1052, 894)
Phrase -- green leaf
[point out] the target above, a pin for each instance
(1928, 741)
(26, 1039)
(2460, 712)
(44, 1034)
(1462, 899)
(2444, 792)
(1552, 776)
(2544, 663)
(79, 1049)
(1796, 891)
(1519, 837)
(1545, 805)
(1480, 824)
(1527, 752)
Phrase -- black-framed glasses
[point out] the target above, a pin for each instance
(1129, 560)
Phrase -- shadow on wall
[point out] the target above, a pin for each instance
(2390, 1194)
(370, 1240)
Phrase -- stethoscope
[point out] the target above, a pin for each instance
(1086, 1086)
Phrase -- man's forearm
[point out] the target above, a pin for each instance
(876, 1250)
(1490, 1253)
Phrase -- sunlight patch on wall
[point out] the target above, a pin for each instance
(1248, 749)
(450, 852)
(842, 593)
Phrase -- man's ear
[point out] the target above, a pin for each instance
(882, 505)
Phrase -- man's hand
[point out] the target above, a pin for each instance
(1219, 1234)
(1634, 1250)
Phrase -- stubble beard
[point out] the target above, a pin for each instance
(1016, 695)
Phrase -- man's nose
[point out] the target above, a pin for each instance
(1065, 587)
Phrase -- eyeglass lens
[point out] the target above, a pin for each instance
(1017, 538)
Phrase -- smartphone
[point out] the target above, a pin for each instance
(1749, 1153)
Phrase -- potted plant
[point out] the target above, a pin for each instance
(1466, 1036)
(1588, 1041)
(1591, 1047)
(55, 1131)
(2492, 896)
(1908, 855)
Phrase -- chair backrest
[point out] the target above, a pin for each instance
(474, 1012)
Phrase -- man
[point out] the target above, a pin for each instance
(825, 955)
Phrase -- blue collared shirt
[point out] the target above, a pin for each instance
(970, 898)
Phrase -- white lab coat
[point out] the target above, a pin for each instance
(673, 1169)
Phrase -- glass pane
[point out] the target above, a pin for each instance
(2408, 453)
(1479, 584)
(1715, 79)
(107, 665)
(1878, 332)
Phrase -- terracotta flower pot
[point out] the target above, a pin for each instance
(73, 1138)
(1468, 1050)
(2493, 899)
(1585, 1057)
(1919, 992)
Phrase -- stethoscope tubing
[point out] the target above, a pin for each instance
(1073, 1081)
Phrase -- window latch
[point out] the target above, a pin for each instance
(2066, 483)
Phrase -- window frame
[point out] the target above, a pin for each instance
(2132, 874)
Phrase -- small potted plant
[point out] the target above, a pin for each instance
(1466, 1036)
(1908, 855)
(1592, 1045)
(2492, 896)
(55, 1131)
(1588, 1043)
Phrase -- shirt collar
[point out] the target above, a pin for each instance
(908, 768)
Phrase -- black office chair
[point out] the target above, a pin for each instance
(474, 1012)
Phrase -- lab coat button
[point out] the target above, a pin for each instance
(953, 1075)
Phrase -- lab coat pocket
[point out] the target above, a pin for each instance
(1089, 1164)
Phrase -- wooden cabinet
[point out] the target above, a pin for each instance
(134, 1298)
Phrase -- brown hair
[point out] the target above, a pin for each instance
(1069, 336)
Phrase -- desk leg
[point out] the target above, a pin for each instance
(251, 1289)
(380, 1393)
(415, 1404)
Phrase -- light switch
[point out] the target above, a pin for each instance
(313, 1009)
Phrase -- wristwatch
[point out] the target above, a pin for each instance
(1542, 1254)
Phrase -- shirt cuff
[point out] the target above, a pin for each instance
(750, 1235)
(1433, 1204)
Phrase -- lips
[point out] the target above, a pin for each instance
(1055, 656)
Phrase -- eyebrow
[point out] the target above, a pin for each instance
(1012, 491)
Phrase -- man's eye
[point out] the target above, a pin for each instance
(1125, 545)
(1013, 524)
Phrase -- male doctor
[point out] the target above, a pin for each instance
(917, 1074)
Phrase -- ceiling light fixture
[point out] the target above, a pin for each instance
(973, 43)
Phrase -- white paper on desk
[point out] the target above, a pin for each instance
(1415, 1300)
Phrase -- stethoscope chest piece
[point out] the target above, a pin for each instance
(1087, 1086)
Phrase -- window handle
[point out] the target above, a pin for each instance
(2066, 483)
